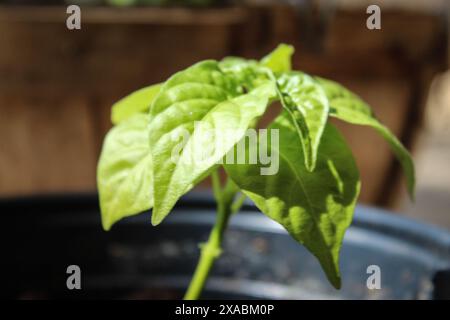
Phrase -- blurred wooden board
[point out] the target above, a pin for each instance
(173, 16)
(57, 86)
(391, 68)
(46, 143)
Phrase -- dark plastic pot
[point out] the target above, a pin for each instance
(41, 236)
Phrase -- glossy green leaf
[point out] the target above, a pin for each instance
(349, 107)
(314, 207)
(307, 103)
(248, 73)
(191, 105)
(138, 101)
(171, 136)
(279, 60)
(124, 172)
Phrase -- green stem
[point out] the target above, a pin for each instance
(237, 204)
(211, 250)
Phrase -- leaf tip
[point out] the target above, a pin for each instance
(279, 60)
(337, 283)
(156, 218)
(106, 224)
(334, 277)
(408, 167)
(288, 48)
(155, 221)
(160, 211)
(310, 165)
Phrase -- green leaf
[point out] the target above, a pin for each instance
(193, 103)
(349, 107)
(279, 60)
(248, 73)
(138, 101)
(307, 103)
(124, 172)
(315, 208)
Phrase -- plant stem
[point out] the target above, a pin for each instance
(211, 250)
(237, 204)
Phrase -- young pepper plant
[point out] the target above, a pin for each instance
(314, 192)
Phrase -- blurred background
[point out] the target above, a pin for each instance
(56, 90)
(57, 85)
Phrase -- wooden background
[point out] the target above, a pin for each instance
(57, 86)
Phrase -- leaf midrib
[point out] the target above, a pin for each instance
(311, 207)
(169, 185)
(228, 99)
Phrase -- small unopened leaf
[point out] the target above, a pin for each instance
(279, 60)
